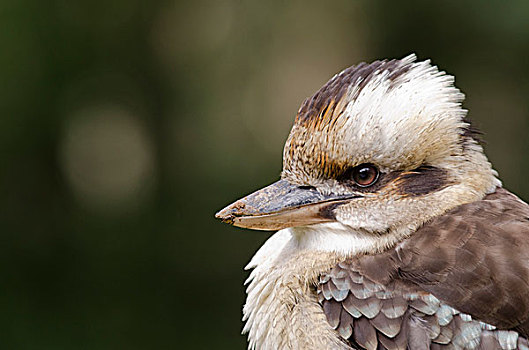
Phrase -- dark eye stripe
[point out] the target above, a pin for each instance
(421, 181)
(417, 182)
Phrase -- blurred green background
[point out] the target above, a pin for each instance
(125, 125)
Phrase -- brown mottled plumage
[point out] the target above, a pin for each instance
(394, 232)
(474, 265)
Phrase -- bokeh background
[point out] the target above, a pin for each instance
(126, 124)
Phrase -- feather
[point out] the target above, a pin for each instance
(486, 326)
(468, 335)
(432, 325)
(394, 307)
(418, 335)
(345, 329)
(371, 286)
(523, 344)
(321, 298)
(424, 306)
(489, 342)
(356, 277)
(326, 290)
(385, 294)
(364, 334)
(342, 283)
(360, 292)
(508, 339)
(348, 305)
(401, 340)
(465, 317)
(390, 327)
(368, 307)
(338, 272)
(444, 315)
(446, 333)
(337, 294)
(397, 343)
(332, 310)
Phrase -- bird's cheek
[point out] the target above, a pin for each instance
(370, 216)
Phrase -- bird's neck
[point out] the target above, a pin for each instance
(281, 310)
(344, 240)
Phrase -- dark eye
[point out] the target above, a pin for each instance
(365, 175)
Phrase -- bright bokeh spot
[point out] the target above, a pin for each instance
(108, 158)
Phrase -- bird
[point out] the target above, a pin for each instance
(393, 228)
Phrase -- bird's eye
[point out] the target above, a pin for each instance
(365, 175)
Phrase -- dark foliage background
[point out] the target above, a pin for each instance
(125, 125)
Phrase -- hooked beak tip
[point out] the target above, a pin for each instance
(228, 214)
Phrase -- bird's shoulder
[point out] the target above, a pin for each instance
(462, 279)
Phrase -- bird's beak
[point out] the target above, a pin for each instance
(281, 205)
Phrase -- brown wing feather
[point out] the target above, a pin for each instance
(474, 260)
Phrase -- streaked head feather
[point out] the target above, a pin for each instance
(398, 114)
(404, 117)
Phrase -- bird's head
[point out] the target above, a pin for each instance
(381, 148)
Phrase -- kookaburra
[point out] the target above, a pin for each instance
(394, 231)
